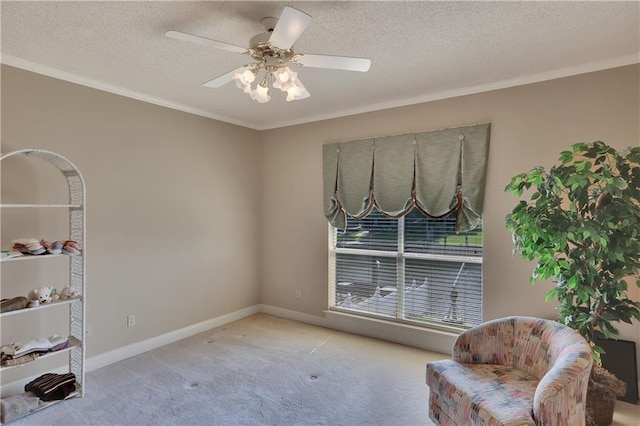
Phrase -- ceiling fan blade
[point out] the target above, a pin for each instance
(291, 24)
(333, 62)
(223, 79)
(205, 41)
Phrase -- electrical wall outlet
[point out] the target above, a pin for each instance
(298, 293)
(131, 320)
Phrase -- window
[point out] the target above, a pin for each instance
(413, 269)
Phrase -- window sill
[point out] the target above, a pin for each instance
(426, 338)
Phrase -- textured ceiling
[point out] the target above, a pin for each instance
(419, 50)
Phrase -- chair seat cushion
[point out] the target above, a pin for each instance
(480, 394)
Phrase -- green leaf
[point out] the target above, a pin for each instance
(565, 157)
(578, 147)
(620, 183)
(573, 282)
(551, 294)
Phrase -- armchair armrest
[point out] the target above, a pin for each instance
(562, 391)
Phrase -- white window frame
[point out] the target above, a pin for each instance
(401, 256)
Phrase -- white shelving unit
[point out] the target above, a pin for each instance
(77, 263)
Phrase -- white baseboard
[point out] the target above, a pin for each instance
(294, 315)
(137, 348)
(405, 334)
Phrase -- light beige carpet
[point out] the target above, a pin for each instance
(262, 370)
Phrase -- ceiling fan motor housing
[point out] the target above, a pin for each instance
(261, 50)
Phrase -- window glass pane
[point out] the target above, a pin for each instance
(424, 235)
(374, 232)
(366, 283)
(443, 291)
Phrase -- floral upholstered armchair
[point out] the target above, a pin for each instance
(512, 371)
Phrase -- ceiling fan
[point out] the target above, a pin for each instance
(273, 52)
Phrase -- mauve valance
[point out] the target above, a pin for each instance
(437, 172)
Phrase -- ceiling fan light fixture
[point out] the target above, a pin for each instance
(284, 78)
(264, 83)
(297, 92)
(245, 78)
(261, 94)
(293, 93)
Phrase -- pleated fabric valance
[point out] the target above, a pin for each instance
(437, 172)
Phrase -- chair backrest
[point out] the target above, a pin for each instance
(530, 344)
(538, 343)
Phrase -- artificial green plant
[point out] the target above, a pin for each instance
(582, 225)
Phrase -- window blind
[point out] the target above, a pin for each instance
(415, 269)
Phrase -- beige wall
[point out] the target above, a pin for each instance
(161, 244)
(172, 198)
(530, 126)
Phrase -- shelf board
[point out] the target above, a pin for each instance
(35, 256)
(58, 302)
(75, 394)
(39, 206)
(73, 343)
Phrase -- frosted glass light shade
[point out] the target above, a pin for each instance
(297, 92)
(284, 78)
(261, 94)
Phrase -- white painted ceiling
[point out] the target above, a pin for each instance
(420, 50)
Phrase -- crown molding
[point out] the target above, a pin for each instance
(111, 88)
(471, 90)
(429, 97)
